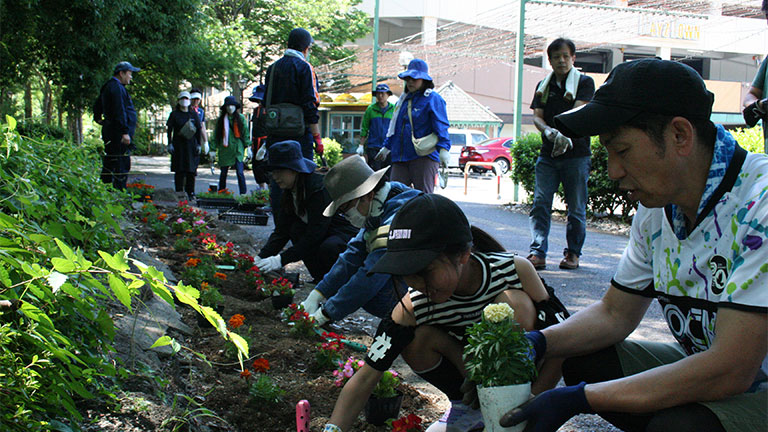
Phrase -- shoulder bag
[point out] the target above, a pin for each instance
(424, 145)
(283, 119)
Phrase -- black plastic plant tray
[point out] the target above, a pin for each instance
(244, 218)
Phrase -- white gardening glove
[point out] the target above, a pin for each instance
(561, 145)
(269, 264)
(360, 150)
(212, 154)
(551, 133)
(444, 158)
(319, 317)
(312, 302)
(206, 149)
(249, 153)
(261, 152)
(382, 154)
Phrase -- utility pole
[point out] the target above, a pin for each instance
(519, 58)
(375, 45)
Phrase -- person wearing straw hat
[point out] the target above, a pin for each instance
(698, 244)
(316, 239)
(417, 139)
(453, 270)
(184, 136)
(230, 138)
(114, 111)
(370, 202)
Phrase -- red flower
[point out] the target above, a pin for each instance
(260, 365)
(246, 374)
(236, 321)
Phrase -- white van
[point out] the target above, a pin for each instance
(459, 139)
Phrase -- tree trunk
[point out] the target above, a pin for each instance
(27, 101)
(75, 125)
(47, 101)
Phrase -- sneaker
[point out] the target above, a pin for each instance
(539, 263)
(458, 418)
(570, 262)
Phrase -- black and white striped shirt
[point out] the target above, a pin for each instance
(461, 311)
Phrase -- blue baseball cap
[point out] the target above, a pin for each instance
(417, 69)
(299, 39)
(258, 93)
(125, 66)
(382, 88)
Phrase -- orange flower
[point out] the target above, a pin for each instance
(188, 231)
(236, 321)
(192, 262)
(260, 365)
(144, 219)
(246, 374)
(162, 216)
(220, 275)
(204, 286)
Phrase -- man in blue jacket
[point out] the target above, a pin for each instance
(292, 80)
(373, 131)
(369, 202)
(114, 111)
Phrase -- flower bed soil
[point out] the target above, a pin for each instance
(215, 383)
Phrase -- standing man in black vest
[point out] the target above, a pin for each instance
(115, 113)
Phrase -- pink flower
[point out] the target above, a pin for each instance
(199, 222)
(179, 220)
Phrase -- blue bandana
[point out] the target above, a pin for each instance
(725, 145)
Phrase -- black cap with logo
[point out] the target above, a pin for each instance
(420, 232)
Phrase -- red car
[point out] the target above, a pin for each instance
(490, 150)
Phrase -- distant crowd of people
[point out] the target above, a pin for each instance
(373, 235)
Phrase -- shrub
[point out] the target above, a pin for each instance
(604, 195)
(524, 154)
(750, 138)
(331, 151)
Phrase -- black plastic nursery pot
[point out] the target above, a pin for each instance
(282, 301)
(379, 410)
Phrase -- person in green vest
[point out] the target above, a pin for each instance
(230, 138)
(374, 128)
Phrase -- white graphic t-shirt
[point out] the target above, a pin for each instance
(722, 263)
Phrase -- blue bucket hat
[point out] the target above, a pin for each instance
(382, 88)
(417, 69)
(125, 66)
(230, 100)
(258, 94)
(287, 154)
(299, 39)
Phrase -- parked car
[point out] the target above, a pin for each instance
(461, 138)
(490, 150)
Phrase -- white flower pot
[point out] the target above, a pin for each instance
(497, 401)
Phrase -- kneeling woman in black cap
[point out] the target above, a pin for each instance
(453, 271)
(315, 239)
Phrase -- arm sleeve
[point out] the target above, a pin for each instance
(213, 141)
(586, 89)
(117, 97)
(760, 77)
(245, 133)
(390, 340)
(98, 109)
(279, 237)
(169, 126)
(439, 119)
(309, 96)
(536, 102)
(317, 228)
(359, 289)
(366, 122)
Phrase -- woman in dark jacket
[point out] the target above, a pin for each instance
(317, 240)
(184, 145)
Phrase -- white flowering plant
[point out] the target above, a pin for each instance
(497, 352)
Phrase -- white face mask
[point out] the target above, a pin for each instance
(354, 217)
(231, 109)
(184, 103)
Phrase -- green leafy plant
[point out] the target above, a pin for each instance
(331, 151)
(280, 287)
(387, 385)
(260, 197)
(302, 325)
(182, 245)
(524, 154)
(221, 193)
(265, 390)
(328, 352)
(750, 139)
(604, 195)
(497, 352)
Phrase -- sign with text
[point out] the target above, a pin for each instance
(669, 28)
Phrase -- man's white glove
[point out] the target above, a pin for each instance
(360, 150)
(312, 302)
(319, 317)
(444, 157)
(551, 133)
(269, 264)
(249, 153)
(261, 152)
(561, 145)
(212, 154)
(382, 154)
(206, 149)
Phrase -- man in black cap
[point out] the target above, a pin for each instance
(292, 80)
(114, 111)
(698, 245)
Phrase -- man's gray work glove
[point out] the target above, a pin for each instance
(382, 154)
(560, 142)
(755, 111)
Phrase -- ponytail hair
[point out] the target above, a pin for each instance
(481, 242)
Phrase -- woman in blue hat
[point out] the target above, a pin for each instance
(315, 239)
(417, 139)
(230, 138)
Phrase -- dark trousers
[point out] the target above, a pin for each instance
(184, 181)
(240, 171)
(605, 366)
(419, 172)
(320, 261)
(115, 169)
